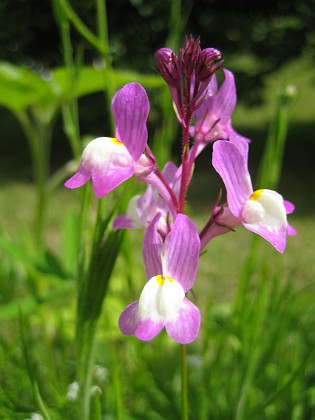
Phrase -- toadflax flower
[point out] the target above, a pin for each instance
(171, 268)
(142, 208)
(212, 120)
(110, 161)
(263, 211)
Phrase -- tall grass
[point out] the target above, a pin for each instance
(62, 355)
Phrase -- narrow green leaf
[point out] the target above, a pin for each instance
(271, 164)
(95, 286)
(67, 11)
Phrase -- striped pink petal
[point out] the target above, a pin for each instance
(130, 107)
(181, 252)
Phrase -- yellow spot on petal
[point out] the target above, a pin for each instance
(256, 195)
(116, 141)
(159, 279)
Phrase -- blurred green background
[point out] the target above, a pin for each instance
(268, 46)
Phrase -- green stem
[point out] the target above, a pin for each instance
(179, 15)
(86, 334)
(184, 396)
(83, 30)
(102, 28)
(70, 110)
(117, 386)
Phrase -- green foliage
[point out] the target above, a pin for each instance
(60, 302)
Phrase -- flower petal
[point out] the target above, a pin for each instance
(212, 87)
(130, 107)
(159, 186)
(148, 329)
(289, 207)
(128, 319)
(291, 231)
(152, 249)
(204, 114)
(225, 99)
(160, 303)
(160, 299)
(181, 252)
(107, 162)
(169, 171)
(151, 320)
(124, 222)
(105, 182)
(265, 214)
(238, 140)
(231, 165)
(185, 328)
(130, 220)
(146, 206)
(77, 180)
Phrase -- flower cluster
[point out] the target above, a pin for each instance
(172, 243)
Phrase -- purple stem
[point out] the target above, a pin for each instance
(185, 164)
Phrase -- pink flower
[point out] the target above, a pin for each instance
(262, 211)
(110, 161)
(171, 268)
(143, 208)
(213, 119)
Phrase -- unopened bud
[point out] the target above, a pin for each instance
(167, 64)
(207, 64)
(189, 55)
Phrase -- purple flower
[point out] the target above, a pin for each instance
(142, 208)
(171, 268)
(110, 161)
(264, 211)
(212, 120)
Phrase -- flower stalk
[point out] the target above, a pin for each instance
(184, 382)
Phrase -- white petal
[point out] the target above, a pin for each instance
(161, 299)
(148, 308)
(265, 208)
(170, 299)
(105, 153)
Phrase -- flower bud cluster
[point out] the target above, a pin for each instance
(188, 74)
